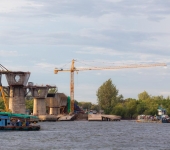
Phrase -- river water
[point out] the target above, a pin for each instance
(84, 135)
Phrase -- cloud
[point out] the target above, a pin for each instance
(45, 65)
(98, 50)
(9, 6)
(117, 26)
(102, 41)
(153, 10)
(8, 53)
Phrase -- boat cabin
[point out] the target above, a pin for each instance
(18, 122)
(7, 118)
(4, 120)
(161, 111)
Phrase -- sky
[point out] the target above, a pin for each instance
(39, 35)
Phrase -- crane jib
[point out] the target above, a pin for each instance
(73, 69)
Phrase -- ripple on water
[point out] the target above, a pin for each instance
(90, 135)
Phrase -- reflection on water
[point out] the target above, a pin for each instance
(123, 135)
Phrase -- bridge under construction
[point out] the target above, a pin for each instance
(19, 88)
(46, 105)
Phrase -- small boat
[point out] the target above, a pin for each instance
(17, 122)
(161, 118)
(165, 119)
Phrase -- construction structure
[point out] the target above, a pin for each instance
(39, 93)
(18, 89)
(57, 103)
(74, 69)
(16, 81)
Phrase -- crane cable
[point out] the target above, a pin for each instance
(66, 64)
(87, 64)
(3, 68)
(107, 67)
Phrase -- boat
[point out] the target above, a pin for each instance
(161, 118)
(17, 122)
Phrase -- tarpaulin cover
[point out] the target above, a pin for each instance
(68, 104)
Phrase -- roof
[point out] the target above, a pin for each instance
(162, 109)
(16, 115)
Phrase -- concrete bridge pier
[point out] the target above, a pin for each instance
(54, 107)
(54, 111)
(39, 107)
(40, 94)
(56, 102)
(17, 100)
(16, 82)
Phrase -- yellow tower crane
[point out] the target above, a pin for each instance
(2, 90)
(73, 69)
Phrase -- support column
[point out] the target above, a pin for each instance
(53, 106)
(53, 111)
(39, 106)
(17, 81)
(17, 100)
(40, 94)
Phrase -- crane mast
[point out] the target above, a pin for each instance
(72, 86)
(73, 69)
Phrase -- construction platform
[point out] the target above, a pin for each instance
(48, 118)
(43, 118)
(67, 117)
(101, 117)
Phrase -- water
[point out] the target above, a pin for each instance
(84, 135)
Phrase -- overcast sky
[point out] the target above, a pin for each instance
(39, 35)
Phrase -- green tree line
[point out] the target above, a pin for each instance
(112, 103)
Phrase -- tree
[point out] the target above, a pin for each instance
(107, 96)
(119, 110)
(141, 107)
(29, 105)
(95, 107)
(143, 96)
(52, 90)
(85, 105)
(131, 108)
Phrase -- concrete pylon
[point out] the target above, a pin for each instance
(52, 103)
(17, 81)
(55, 101)
(39, 93)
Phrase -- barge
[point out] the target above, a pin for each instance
(17, 122)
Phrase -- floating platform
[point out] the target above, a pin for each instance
(101, 117)
(56, 117)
